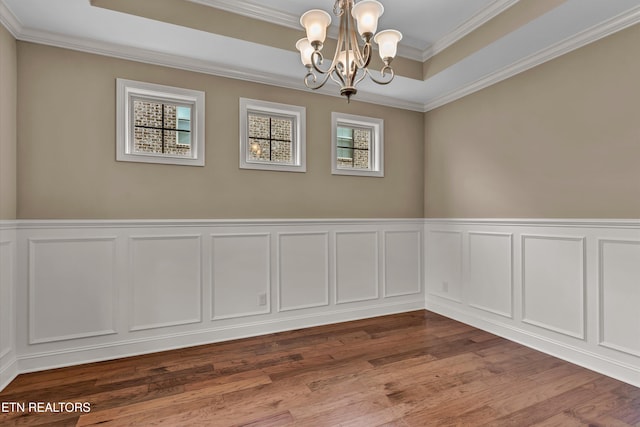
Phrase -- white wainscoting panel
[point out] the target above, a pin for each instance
(303, 270)
(402, 263)
(165, 281)
(92, 290)
(570, 288)
(620, 295)
(71, 288)
(8, 281)
(491, 272)
(444, 264)
(240, 269)
(356, 266)
(80, 286)
(7, 276)
(553, 283)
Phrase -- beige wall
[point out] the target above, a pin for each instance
(561, 140)
(8, 84)
(67, 167)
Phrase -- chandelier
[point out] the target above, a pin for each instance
(351, 60)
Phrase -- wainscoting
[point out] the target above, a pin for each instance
(94, 290)
(568, 288)
(8, 283)
(80, 291)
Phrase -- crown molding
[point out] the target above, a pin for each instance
(409, 49)
(467, 27)
(199, 66)
(574, 42)
(611, 26)
(9, 20)
(255, 11)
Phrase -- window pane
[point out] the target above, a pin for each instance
(171, 145)
(170, 120)
(147, 113)
(184, 138)
(362, 138)
(259, 149)
(345, 153)
(147, 140)
(344, 132)
(258, 126)
(347, 143)
(281, 151)
(361, 159)
(281, 129)
(184, 116)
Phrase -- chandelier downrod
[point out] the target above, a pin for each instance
(351, 60)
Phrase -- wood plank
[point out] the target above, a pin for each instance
(409, 369)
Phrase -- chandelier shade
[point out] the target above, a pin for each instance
(387, 42)
(350, 64)
(315, 22)
(366, 14)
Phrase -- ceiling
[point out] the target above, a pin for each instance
(451, 48)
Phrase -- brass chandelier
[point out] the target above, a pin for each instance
(351, 60)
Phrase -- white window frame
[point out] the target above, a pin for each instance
(298, 138)
(376, 148)
(127, 90)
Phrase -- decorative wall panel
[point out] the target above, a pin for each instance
(444, 264)
(402, 263)
(303, 270)
(240, 275)
(356, 266)
(491, 273)
(553, 283)
(620, 295)
(165, 276)
(71, 288)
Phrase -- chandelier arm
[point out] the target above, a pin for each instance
(340, 79)
(316, 60)
(359, 60)
(310, 80)
(366, 53)
(385, 70)
(362, 77)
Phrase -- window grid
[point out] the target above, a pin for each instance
(357, 145)
(272, 136)
(169, 135)
(346, 144)
(159, 124)
(271, 143)
(270, 139)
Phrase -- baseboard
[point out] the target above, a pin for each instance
(8, 373)
(598, 363)
(136, 347)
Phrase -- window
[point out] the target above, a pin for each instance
(159, 124)
(357, 145)
(272, 136)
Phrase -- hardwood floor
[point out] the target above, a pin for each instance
(410, 369)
